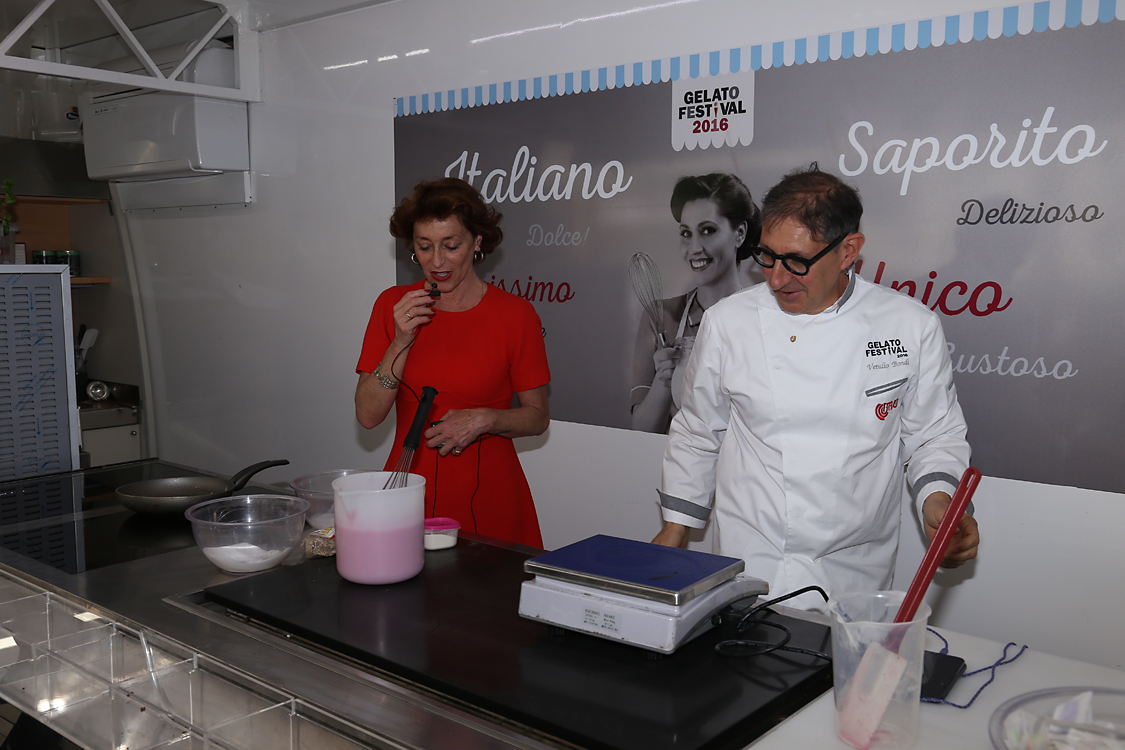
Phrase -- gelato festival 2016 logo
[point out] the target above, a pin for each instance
(713, 115)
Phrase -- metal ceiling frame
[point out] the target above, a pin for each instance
(247, 81)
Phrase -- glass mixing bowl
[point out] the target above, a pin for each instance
(317, 489)
(1031, 717)
(248, 533)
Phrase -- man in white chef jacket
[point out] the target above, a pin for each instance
(804, 398)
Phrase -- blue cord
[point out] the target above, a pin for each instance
(945, 648)
(991, 668)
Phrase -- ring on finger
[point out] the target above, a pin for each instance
(456, 451)
(409, 316)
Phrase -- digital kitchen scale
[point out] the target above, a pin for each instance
(647, 595)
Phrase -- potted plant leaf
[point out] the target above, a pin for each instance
(6, 225)
(9, 198)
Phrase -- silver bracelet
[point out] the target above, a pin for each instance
(385, 380)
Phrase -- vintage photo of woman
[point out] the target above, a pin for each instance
(718, 223)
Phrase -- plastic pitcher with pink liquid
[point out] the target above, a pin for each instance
(379, 533)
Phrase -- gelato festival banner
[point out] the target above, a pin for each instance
(991, 178)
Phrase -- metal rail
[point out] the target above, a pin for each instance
(235, 12)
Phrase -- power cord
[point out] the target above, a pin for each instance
(991, 668)
(751, 647)
(392, 367)
(472, 498)
(434, 294)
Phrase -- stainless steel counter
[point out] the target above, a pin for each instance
(153, 595)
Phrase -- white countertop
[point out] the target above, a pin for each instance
(943, 727)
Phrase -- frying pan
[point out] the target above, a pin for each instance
(177, 494)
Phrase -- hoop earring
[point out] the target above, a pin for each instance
(414, 259)
(478, 257)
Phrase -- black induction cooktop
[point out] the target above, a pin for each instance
(74, 522)
(455, 629)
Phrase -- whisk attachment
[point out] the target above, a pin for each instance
(645, 277)
(397, 479)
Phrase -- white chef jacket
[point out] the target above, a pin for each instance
(798, 427)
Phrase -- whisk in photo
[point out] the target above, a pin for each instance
(645, 277)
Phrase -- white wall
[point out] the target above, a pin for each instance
(255, 316)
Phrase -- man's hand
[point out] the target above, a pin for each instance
(963, 546)
(672, 535)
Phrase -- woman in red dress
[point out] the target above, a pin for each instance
(478, 346)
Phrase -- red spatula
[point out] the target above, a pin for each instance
(879, 671)
(936, 550)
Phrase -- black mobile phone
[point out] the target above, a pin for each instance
(939, 673)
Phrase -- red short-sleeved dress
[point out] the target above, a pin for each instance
(475, 358)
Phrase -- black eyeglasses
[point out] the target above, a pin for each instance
(793, 263)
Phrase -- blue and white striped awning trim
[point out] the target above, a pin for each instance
(1024, 18)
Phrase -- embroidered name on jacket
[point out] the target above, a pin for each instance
(890, 347)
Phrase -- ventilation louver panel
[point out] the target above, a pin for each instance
(38, 430)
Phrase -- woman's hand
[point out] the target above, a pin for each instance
(372, 400)
(665, 361)
(684, 345)
(457, 430)
(460, 428)
(651, 414)
(410, 313)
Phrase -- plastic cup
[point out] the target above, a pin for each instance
(379, 532)
(877, 669)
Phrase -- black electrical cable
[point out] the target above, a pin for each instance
(392, 367)
(433, 508)
(433, 295)
(991, 668)
(472, 498)
(751, 647)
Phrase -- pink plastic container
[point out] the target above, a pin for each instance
(378, 532)
(441, 533)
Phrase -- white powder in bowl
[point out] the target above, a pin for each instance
(244, 557)
(440, 540)
(322, 520)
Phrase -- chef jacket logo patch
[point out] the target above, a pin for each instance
(888, 348)
(882, 410)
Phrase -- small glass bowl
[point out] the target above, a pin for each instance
(248, 533)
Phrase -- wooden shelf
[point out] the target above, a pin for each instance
(42, 200)
(88, 280)
(45, 222)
